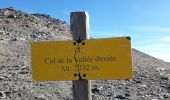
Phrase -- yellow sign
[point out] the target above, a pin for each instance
(94, 59)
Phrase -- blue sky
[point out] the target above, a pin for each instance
(146, 21)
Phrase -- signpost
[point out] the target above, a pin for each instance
(79, 25)
(96, 59)
(82, 60)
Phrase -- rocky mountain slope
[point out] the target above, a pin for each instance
(151, 79)
(17, 25)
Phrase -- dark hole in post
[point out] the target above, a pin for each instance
(74, 43)
(84, 75)
(83, 43)
(75, 74)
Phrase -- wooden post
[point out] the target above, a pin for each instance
(79, 25)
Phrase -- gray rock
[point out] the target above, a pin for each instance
(120, 97)
(2, 95)
(2, 78)
(40, 97)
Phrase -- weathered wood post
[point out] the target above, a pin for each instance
(79, 25)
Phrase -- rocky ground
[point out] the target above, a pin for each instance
(151, 76)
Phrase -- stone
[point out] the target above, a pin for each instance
(120, 97)
(23, 67)
(95, 90)
(2, 94)
(40, 97)
(160, 69)
(166, 77)
(11, 16)
(127, 94)
(23, 72)
(2, 78)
